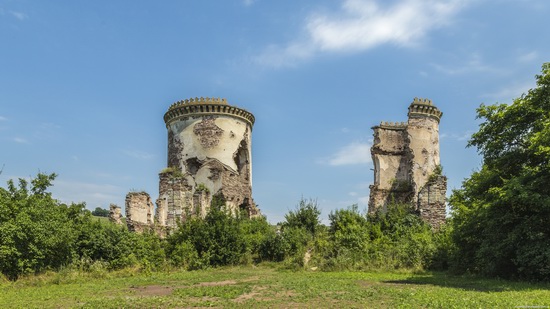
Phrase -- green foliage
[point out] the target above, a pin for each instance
(36, 232)
(438, 171)
(217, 240)
(298, 234)
(201, 187)
(100, 212)
(394, 239)
(174, 172)
(500, 215)
(306, 216)
(349, 229)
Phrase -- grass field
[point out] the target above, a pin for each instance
(268, 287)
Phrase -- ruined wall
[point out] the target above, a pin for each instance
(115, 214)
(389, 154)
(139, 211)
(406, 159)
(431, 201)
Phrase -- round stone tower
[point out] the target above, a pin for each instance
(209, 155)
(423, 141)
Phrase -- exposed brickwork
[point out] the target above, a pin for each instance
(431, 201)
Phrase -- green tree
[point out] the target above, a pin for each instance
(306, 215)
(500, 215)
(348, 228)
(36, 232)
(100, 212)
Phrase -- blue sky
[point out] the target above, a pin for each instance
(84, 85)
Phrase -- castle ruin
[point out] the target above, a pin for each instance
(407, 166)
(209, 155)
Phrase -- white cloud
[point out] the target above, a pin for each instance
(248, 2)
(19, 15)
(3, 118)
(364, 24)
(354, 153)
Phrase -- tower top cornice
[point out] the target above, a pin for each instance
(204, 107)
(424, 108)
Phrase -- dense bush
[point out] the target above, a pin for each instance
(218, 239)
(38, 233)
(394, 239)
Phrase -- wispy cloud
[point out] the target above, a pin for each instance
(93, 194)
(354, 153)
(464, 136)
(529, 57)
(248, 2)
(509, 93)
(19, 15)
(20, 140)
(138, 154)
(2, 118)
(474, 64)
(361, 25)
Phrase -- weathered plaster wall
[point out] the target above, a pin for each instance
(214, 152)
(389, 155)
(209, 154)
(405, 158)
(424, 149)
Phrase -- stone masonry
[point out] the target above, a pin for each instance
(139, 211)
(406, 163)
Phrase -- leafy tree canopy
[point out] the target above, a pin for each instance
(501, 212)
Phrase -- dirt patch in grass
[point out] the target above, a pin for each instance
(153, 290)
(217, 283)
(255, 294)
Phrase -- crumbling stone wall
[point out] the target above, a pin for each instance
(406, 158)
(431, 201)
(115, 214)
(139, 211)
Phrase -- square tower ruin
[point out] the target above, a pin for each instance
(407, 166)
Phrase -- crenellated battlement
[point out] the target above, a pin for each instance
(392, 125)
(205, 106)
(424, 108)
